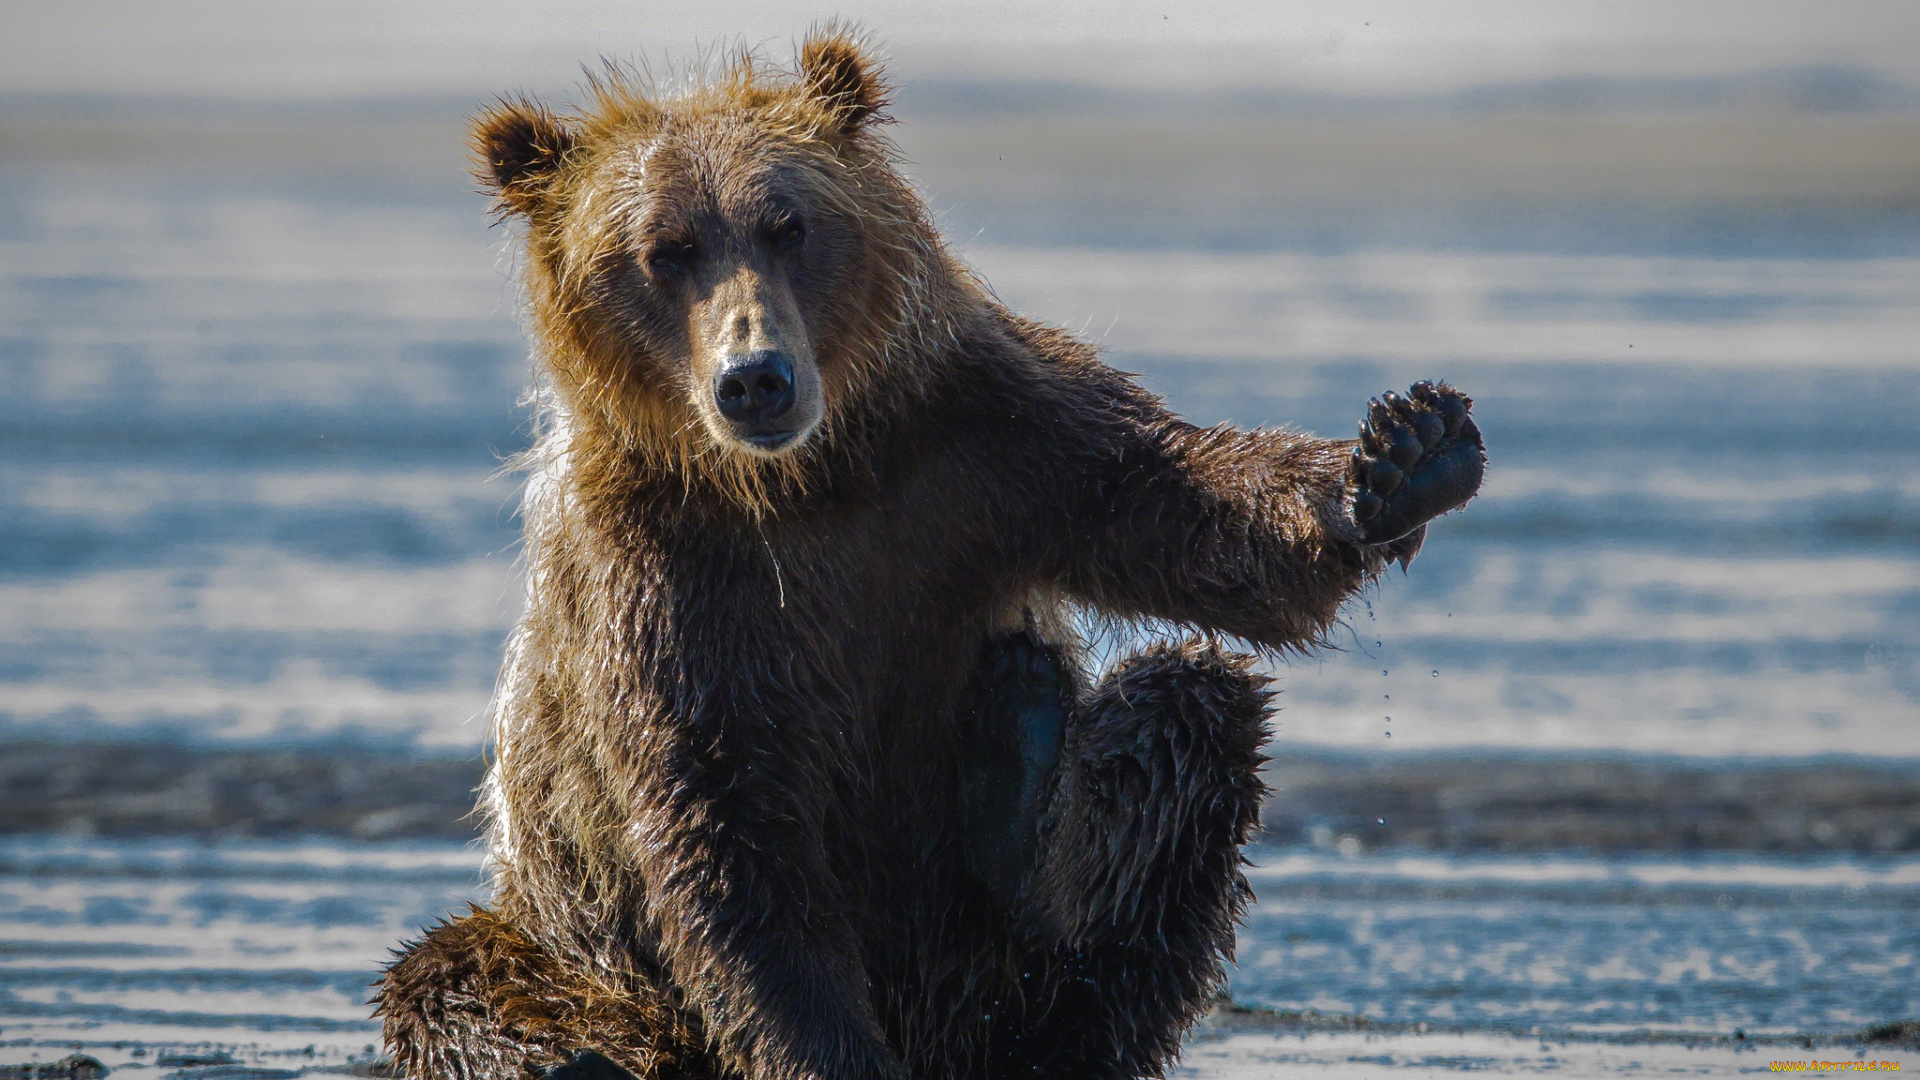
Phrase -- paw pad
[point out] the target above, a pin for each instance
(1419, 456)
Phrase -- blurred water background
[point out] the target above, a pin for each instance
(259, 349)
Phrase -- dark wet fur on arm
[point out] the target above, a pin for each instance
(1239, 532)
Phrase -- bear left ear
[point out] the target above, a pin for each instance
(843, 78)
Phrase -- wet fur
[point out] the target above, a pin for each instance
(729, 807)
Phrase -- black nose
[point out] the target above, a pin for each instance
(754, 388)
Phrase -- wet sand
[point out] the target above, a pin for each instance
(1447, 802)
(1341, 1054)
(1457, 802)
(165, 789)
(142, 951)
(1231, 1044)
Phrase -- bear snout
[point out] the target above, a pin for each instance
(754, 392)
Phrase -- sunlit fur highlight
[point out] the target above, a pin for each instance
(635, 411)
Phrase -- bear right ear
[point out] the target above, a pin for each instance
(518, 145)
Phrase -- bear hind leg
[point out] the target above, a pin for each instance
(476, 999)
(1134, 898)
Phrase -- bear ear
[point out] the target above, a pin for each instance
(842, 78)
(518, 146)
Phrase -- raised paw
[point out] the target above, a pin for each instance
(585, 1065)
(1016, 724)
(1419, 457)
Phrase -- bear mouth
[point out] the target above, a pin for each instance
(770, 440)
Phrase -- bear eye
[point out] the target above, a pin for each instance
(664, 259)
(789, 233)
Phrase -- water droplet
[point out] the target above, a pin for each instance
(1436, 673)
(1383, 671)
(1386, 697)
(1389, 734)
(1381, 821)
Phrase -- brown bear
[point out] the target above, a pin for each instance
(798, 771)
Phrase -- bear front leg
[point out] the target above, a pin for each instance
(1260, 534)
(1133, 900)
(741, 907)
(477, 999)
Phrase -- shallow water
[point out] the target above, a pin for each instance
(245, 495)
(244, 475)
(1711, 945)
(1360, 1056)
(269, 949)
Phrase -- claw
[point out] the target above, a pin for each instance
(1379, 415)
(1404, 549)
(1406, 448)
(1382, 477)
(1366, 507)
(1423, 392)
(1453, 410)
(1369, 441)
(1403, 410)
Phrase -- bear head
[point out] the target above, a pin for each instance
(721, 277)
